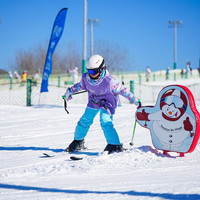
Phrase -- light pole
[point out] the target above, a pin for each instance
(84, 37)
(92, 21)
(175, 25)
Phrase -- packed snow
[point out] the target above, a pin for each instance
(141, 172)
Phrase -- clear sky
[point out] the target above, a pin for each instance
(140, 26)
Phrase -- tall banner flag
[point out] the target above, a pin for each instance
(56, 34)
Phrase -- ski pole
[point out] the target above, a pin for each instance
(79, 92)
(65, 102)
(131, 143)
(75, 93)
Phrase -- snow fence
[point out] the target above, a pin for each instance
(23, 95)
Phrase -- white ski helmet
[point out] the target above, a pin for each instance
(95, 62)
(95, 65)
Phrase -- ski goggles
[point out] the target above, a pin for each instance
(96, 70)
(178, 103)
(93, 71)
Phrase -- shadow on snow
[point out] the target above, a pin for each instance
(45, 149)
(30, 148)
(131, 193)
(158, 153)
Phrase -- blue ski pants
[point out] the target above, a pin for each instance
(106, 122)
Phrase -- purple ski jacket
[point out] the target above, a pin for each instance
(103, 92)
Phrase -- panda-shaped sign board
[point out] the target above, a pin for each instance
(174, 122)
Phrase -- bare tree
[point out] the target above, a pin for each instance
(40, 56)
(25, 60)
(116, 57)
(32, 59)
(73, 57)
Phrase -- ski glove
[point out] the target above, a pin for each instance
(68, 95)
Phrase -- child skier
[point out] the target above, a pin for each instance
(103, 94)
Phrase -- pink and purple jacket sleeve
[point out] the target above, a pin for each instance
(117, 88)
(76, 88)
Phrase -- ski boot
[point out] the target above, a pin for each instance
(75, 146)
(114, 148)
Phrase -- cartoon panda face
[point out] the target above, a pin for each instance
(171, 111)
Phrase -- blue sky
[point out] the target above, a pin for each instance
(140, 26)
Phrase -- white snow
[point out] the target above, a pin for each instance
(141, 172)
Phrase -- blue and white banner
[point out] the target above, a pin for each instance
(55, 37)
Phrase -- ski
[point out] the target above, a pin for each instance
(77, 155)
(47, 155)
(76, 158)
(83, 151)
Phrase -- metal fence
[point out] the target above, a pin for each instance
(17, 93)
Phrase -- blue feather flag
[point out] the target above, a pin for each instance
(56, 34)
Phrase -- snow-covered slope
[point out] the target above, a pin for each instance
(141, 172)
